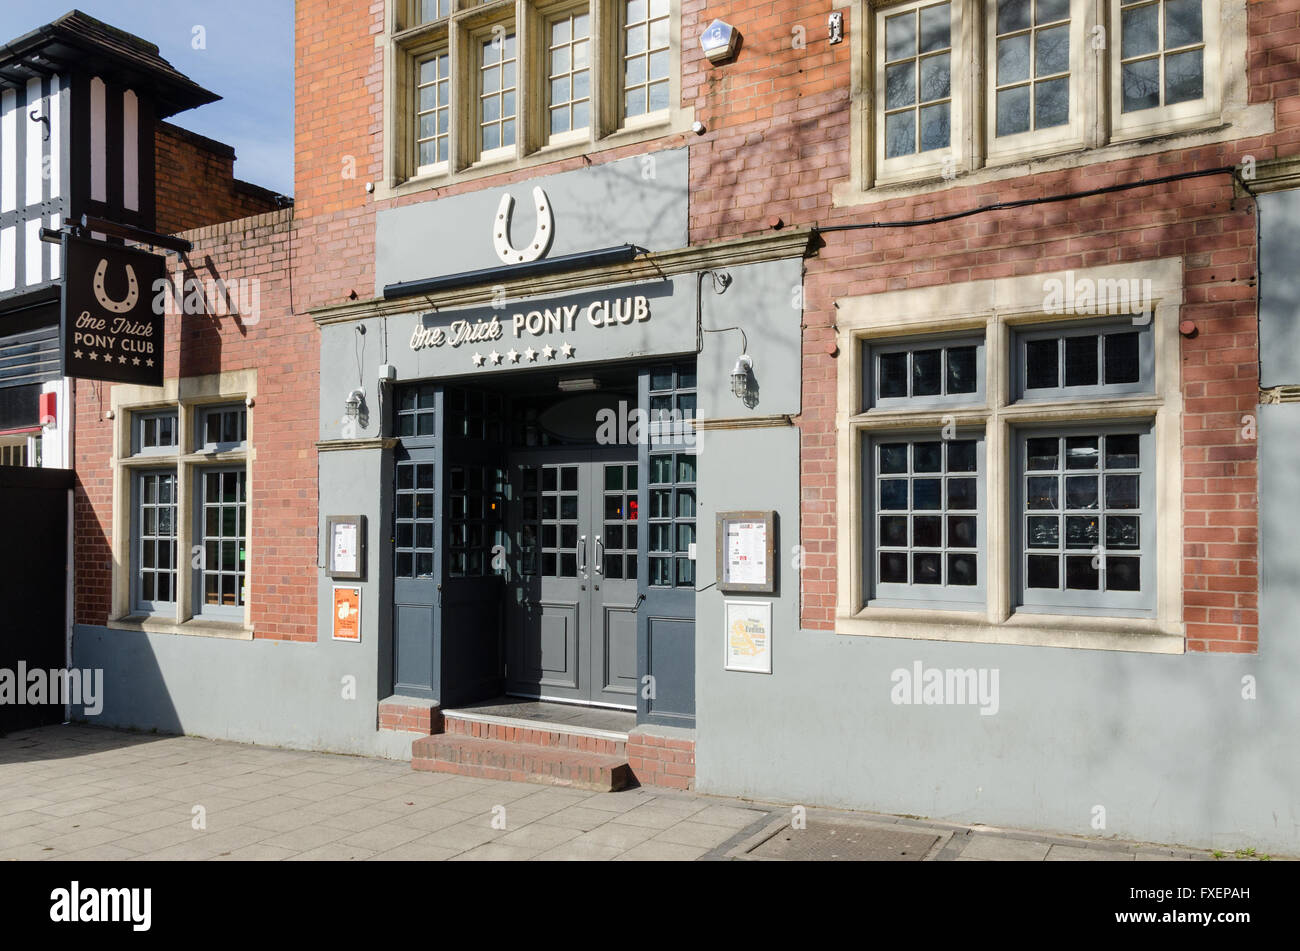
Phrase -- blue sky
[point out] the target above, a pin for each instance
(248, 61)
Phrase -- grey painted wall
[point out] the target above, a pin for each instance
(640, 200)
(1279, 288)
(1166, 744)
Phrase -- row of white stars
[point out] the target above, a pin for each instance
(529, 355)
(108, 358)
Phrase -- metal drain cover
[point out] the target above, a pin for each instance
(824, 841)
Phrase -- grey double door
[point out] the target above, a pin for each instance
(572, 592)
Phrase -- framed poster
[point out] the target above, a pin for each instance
(347, 613)
(746, 552)
(346, 537)
(748, 636)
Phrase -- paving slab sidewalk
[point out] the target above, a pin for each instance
(76, 792)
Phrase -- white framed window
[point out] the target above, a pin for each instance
(471, 85)
(498, 93)
(568, 74)
(957, 86)
(646, 58)
(222, 536)
(153, 542)
(433, 112)
(925, 517)
(918, 106)
(182, 472)
(1037, 76)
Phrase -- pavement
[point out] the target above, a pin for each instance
(83, 793)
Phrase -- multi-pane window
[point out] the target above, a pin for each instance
(1085, 515)
(498, 82)
(413, 519)
(1085, 361)
(616, 556)
(549, 544)
(155, 432)
(222, 428)
(1162, 53)
(223, 530)
(474, 505)
(154, 541)
(926, 518)
(416, 411)
(672, 398)
(945, 372)
(433, 110)
(427, 11)
(672, 519)
(917, 48)
(1032, 75)
(473, 414)
(569, 72)
(533, 76)
(646, 56)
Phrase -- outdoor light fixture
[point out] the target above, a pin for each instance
(353, 405)
(740, 377)
(720, 41)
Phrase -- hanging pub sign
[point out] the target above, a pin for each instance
(110, 329)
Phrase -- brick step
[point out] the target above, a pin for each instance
(552, 765)
(535, 734)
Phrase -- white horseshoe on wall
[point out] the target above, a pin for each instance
(542, 235)
(125, 305)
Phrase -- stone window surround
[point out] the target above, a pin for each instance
(1233, 118)
(187, 397)
(402, 48)
(998, 307)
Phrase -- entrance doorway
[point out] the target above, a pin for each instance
(541, 547)
(571, 618)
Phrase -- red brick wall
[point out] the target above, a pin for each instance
(283, 346)
(778, 140)
(661, 760)
(196, 184)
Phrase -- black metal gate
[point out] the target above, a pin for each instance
(33, 587)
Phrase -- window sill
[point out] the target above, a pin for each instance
(191, 628)
(1137, 635)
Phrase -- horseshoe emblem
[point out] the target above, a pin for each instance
(124, 306)
(541, 240)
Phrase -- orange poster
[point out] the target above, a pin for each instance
(347, 614)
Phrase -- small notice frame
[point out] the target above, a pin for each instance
(347, 613)
(748, 636)
(346, 537)
(746, 552)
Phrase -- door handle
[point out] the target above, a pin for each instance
(582, 555)
(600, 556)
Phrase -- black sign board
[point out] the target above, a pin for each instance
(110, 329)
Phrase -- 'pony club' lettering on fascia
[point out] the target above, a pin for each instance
(609, 312)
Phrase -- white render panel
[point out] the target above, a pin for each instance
(33, 251)
(9, 150)
(35, 143)
(8, 258)
(130, 151)
(98, 141)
